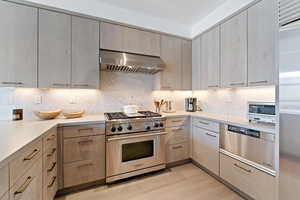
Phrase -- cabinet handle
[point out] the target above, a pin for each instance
(177, 147)
(51, 138)
(60, 84)
(52, 167)
(85, 165)
(258, 82)
(81, 85)
(12, 83)
(86, 129)
(24, 186)
(237, 84)
(213, 86)
(52, 182)
(86, 141)
(52, 152)
(205, 123)
(211, 135)
(242, 168)
(32, 155)
(177, 129)
(175, 121)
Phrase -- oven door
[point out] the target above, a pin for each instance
(128, 153)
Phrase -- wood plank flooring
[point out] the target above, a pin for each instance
(186, 182)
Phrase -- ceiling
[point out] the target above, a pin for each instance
(187, 12)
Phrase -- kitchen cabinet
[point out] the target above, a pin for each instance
(4, 179)
(141, 42)
(29, 186)
(186, 66)
(18, 39)
(255, 183)
(234, 52)
(111, 36)
(261, 43)
(54, 49)
(210, 59)
(196, 64)
(206, 148)
(85, 53)
(83, 154)
(5, 197)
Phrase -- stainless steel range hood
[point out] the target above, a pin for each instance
(127, 62)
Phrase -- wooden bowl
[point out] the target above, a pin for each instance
(47, 114)
(70, 115)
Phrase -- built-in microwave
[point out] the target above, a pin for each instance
(262, 112)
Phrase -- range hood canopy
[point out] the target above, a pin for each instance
(127, 62)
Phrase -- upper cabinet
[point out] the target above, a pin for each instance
(85, 53)
(18, 45)
(54, 49)
(196, 63)
(234, 52)
(121, 38)
(186, 66)
(210, 59)
(261, 43)
(68, 51)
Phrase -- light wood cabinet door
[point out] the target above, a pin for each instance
(210, 59)
(54, 50)
(255, 183)
(196, 64)
(171, 54)
(186, 66)
(30, 185)
(206, 149)
(4, 179)
(141, 42)
(234, 52)
(111, 36)
(177, 152)
(18, 41)
(85, 53)
(261, 44)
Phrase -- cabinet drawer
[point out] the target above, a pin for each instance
(206, 124)
(50, 167)
(177, 152)
(50, 139)
(24, 160)
(50, 181)
(83, 148)
(50, 155)
(253, 182)
(84, 172)
(29, 186)
(174, 122)
(86, 130)
(176, 135)
(4, 179)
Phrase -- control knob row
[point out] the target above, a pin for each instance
(156, 125)
(120, 128)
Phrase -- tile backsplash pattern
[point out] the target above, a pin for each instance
(119, 89)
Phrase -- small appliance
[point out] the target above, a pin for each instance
(262, 112)
(191, 104)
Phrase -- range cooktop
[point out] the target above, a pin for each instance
(140, 114)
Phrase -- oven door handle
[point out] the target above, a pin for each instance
(136, 136)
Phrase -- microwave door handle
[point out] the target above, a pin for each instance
(136, 136)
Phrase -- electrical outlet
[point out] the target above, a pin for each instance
(38, 99)
(72, 100)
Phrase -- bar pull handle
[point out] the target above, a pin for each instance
(213, 86)
(177, 147)
(52, 167)
(237, 84)
(259, 82)
(52, 152)
(211, 135)
(85, 141)
(86, 129)
(242, 168)
(204, 123)
(24, 186)
(32, 155)
(52, 182)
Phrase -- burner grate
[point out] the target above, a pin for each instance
(140, 114)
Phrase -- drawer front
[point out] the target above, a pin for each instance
(84, 130)
(206, 124)
(177, 152)
(253, 182)
(82, 172)
(50, 181)
(50, 139)
(24, 160)
(50, 168)
(4, 184)
(177, 135)
(78, 149)
(29, 186)
(50, 155)
(175, 122)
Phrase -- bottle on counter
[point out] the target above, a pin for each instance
(17, 114)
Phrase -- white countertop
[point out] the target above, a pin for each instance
(17, 134)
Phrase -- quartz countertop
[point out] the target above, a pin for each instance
(17, 134)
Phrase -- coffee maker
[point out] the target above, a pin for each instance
(191, 104)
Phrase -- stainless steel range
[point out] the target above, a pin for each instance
(135, 144)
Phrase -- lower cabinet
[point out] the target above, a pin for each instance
(5, 197)
(177, 152)
(255, 183)
(205, 148)
(30, 185)
(83, 160)
(4, 179)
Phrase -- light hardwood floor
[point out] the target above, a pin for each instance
(186, 182)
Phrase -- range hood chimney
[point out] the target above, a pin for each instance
(127, 62)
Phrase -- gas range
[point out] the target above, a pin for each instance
(119, 123)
